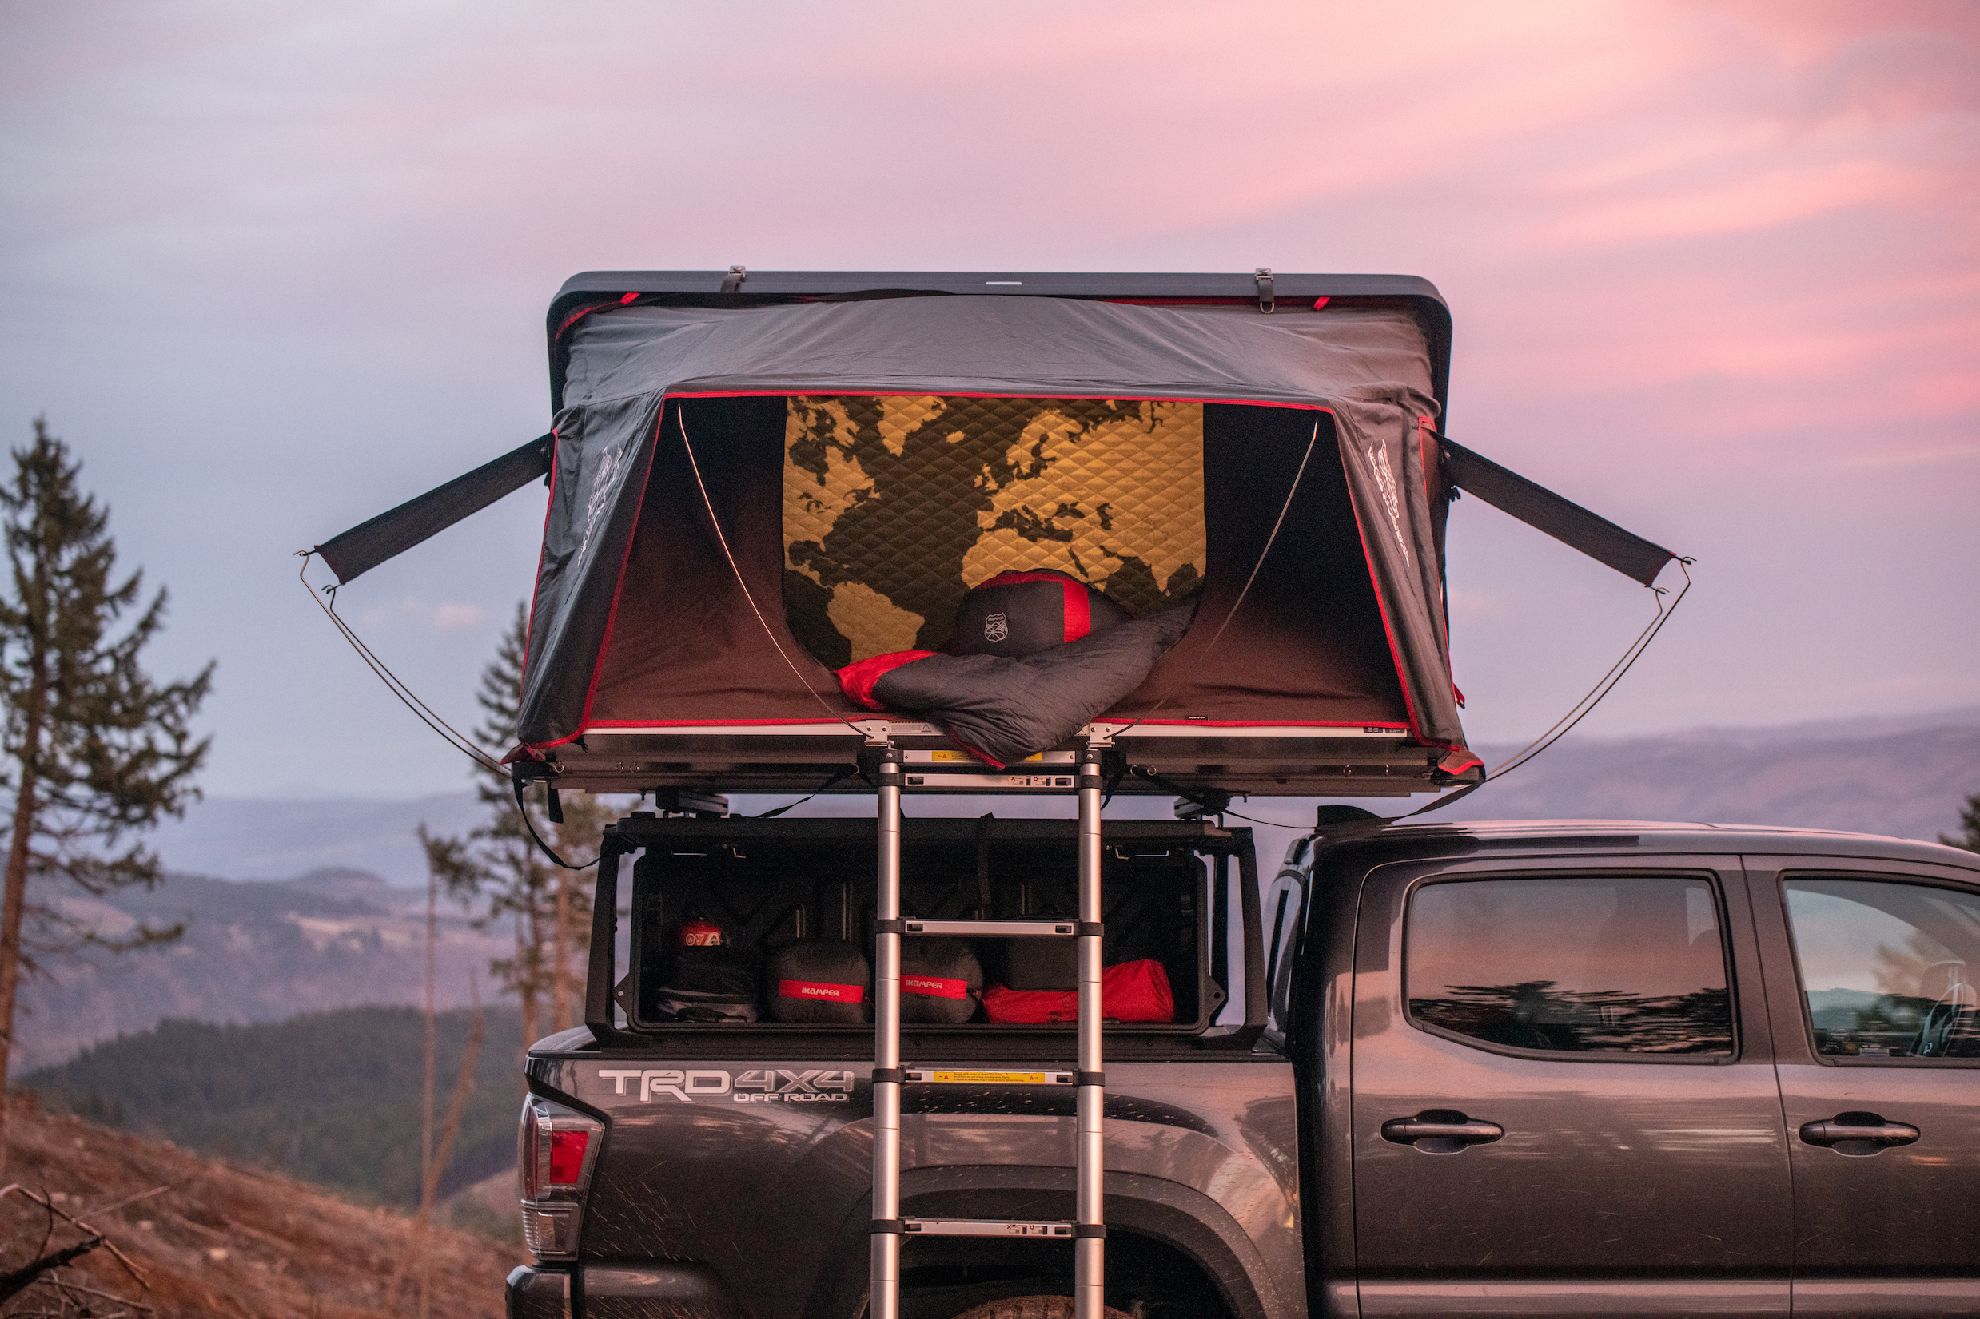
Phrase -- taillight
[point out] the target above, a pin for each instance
(555, 1152)
(567, 1150)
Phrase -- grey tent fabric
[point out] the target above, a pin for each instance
(628, 370)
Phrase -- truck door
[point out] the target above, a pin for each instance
(1564, 1099)
(1871, 975)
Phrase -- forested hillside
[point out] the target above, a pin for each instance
(252, 951)
(333, 1097)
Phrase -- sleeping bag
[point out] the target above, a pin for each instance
(1131, 991)
(1042, 964)
(1004, 708)
(818, 981)
(941, 980)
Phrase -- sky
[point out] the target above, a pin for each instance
(1715, 271)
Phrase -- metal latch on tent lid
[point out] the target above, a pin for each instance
(1268, 302)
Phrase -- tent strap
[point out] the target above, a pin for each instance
(529, 823)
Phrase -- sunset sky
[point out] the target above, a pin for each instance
(1715, 270)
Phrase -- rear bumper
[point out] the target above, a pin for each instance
(539, 1293)
(664, 1291)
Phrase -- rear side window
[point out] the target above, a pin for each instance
(1887, 969)
(1620, 964)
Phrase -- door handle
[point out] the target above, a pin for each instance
(1859, 1129)
(1440, 1131)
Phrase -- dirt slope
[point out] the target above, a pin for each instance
(222, 1240)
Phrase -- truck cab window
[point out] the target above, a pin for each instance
(1620, 964)
(1887, 969)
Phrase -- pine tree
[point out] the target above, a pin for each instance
(96, 750)
(1968, 836)
(498, 868)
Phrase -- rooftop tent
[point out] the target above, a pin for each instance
(749, 490)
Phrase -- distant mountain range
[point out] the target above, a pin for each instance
(347, 931)
(1904, 776)
(252, 951)
(277, 838)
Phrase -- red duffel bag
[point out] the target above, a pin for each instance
(1131, 991)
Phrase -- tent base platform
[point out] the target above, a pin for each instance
(1150, 759)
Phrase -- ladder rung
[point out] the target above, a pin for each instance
(966, 781)
(996, 929)
(1065, 760)
(988, 1076)
(983, 1227)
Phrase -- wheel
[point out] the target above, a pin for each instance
(1031, 1307)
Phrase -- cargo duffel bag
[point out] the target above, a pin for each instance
(941, 981)
(705, 980)
(1129, 992)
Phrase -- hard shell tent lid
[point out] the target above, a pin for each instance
(754, 480)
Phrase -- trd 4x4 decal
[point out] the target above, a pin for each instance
(756, 1086)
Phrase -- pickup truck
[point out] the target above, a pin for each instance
(1563, 1068)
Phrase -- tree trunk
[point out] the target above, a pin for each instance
(14, 908)
(560, 954)
(525, 983)
(431, 1042)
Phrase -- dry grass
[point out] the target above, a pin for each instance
(222, 1240)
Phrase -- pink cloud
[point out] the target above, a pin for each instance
(1769, 200)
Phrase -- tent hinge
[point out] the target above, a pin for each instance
(1267, 302)
(732, 283)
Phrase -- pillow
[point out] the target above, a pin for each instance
(1022, 613)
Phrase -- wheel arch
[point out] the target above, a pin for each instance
(1151, 1222)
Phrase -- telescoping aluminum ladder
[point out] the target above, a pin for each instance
(1086, 1228)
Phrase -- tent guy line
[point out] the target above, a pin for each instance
(433, 719)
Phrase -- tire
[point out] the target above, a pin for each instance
(1031, 1307)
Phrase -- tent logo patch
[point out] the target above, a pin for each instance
(1385, 481)
(996, 627)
